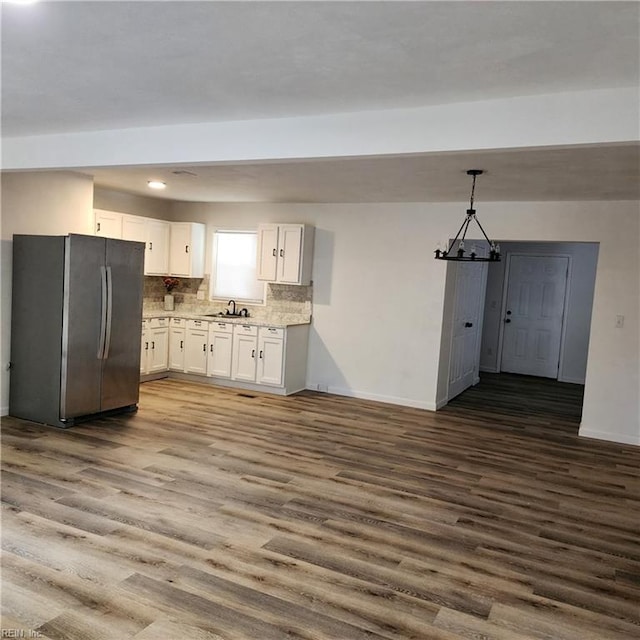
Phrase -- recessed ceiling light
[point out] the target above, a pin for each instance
(157, 184)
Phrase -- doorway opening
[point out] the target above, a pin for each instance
(535, 320)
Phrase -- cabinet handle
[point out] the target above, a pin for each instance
(204, 347)
(186, 248)
(282, 253)
(98, 229)
(211, 349)
(275, 253)
(253, 353)
(181, 344)
(468, 324)
(260, 354)
(153, 345)
(146, 346)
(151, 246)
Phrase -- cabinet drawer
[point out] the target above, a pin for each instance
(272, 332)
(221, 327)
(197, 324)
(178, 322)
(245, 330)
(155, 323)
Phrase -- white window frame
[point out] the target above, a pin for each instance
(214, 266)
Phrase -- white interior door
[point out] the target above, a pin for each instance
(533, 315)
(471, 283)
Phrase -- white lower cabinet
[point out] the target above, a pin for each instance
(270, 355)
(245, 345)
(177, 337)
(230, 354)
(196, 342)
(220, 349)
(154, 354)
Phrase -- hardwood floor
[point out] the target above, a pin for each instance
(214, 514)
(539, 403)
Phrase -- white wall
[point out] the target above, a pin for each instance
(577, 321)
(48, 203)
(135, 205)
(379, 294)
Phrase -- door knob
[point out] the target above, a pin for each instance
(507, 321)
(508, 313)
(468, 324)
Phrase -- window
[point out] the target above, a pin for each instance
(233, 273)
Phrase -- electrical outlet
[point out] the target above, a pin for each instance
(619, 322)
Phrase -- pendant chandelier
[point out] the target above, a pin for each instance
(459, 254)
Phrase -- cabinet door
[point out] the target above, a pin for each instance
(219, 363)
(179, 250)
(108, 224)
(156, 259)
(289, 250)
(186, 253)
(176, 348)
(158, 349)
(270, 356)
(195, 355)
(134, 228)
(267, 258)
(244, 358)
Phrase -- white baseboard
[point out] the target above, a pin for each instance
(443, 402)
(488, 369)
(571, 380)
(4, 411)
(376, 397)
(620, 438)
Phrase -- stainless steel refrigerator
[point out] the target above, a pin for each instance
(75, 327)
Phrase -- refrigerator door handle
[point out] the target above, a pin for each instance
(107, 333)
(103, 314)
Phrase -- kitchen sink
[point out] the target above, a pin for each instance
(224, 315)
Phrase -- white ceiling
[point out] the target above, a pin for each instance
(80, 66)
(584, 173)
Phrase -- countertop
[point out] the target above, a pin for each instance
(281, 321)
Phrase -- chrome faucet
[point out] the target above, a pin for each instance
(233, 302)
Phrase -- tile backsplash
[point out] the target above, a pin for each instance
(284, 303)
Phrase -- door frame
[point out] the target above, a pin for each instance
(505, 291)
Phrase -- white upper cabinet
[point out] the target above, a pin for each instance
(285, 253)
(156, 255)
(186, 253)
(134, 228)
(267, 261)
(155, 235)
(108, 224)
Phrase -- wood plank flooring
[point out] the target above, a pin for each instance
(213, 515)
